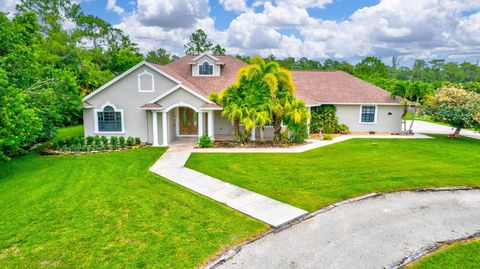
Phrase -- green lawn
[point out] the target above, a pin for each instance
(107, 211)
(463, 255)
(323, 176)
(68, 132)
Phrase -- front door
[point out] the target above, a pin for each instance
(188, 121)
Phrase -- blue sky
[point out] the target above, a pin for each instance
(338, 10)
(317, 29)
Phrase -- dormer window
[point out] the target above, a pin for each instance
(205, 69)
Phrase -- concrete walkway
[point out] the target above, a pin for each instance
(270, 211)
(373, 233)
(433, 128)
(311, 144)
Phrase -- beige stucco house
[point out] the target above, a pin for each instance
(159, 103)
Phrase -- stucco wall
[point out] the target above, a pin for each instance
(124, 95)
(350, 115)
(223, 126)
(181, 95)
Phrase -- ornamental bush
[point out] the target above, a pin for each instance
(456, 107)
(138, 141)
(104, 140)
(130, 141)
(324, 119)
(121, 141)
(97, 140)
(90, 140)
(205, 142)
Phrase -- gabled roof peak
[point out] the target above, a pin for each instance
(207, 54)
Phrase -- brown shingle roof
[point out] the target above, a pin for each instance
(86, 104)
(336, 87)
(314, 87)
(151, 105)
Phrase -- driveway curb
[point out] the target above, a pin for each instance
(226, 255)
(430, 249)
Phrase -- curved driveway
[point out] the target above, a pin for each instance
(371, 233)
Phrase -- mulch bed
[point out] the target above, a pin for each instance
(50, 151)
(257, 144)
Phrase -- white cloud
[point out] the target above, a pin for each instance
(171, 13)
(8, 6)
(112, 6)
(234, 5)
(307, 3)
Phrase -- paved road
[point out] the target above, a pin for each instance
(371, 233)
(433, 128)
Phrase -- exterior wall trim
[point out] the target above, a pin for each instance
(176, 88)
(145, 73)
(179, 104)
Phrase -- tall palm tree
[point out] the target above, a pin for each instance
(258, 97)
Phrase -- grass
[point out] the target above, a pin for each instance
(67, 132)
(456, 256)
(323, 176)
(107, 211)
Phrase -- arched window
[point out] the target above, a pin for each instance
(205, 69)
(109, 119)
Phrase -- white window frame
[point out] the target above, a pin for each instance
(213, 69)
(95, 116)
(375, 116)
(145, 73)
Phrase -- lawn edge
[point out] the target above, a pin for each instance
(221, 258)
(431, 249)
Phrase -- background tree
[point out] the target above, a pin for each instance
(373, 67)
(199, 44)
(160, 56)
(456, 107)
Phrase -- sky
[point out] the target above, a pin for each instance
(318, 29)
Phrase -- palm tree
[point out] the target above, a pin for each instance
(258, 97)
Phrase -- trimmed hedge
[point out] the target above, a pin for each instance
(94, 143)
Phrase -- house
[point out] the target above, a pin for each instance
(159, 103)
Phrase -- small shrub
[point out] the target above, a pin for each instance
(113, 140)
(121, 141)
(97, 140)
(90, 140)
(104, 140)
(138, 141)
(343, 129)
(205, 142)
(372, 132)
(130, 141)
(327, 137)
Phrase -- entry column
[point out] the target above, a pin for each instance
(200, 124)
(155, 128)
(164, 128)
(210, 125)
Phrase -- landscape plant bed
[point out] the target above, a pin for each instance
(50, 151)
(256, 144)
(92, 144)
